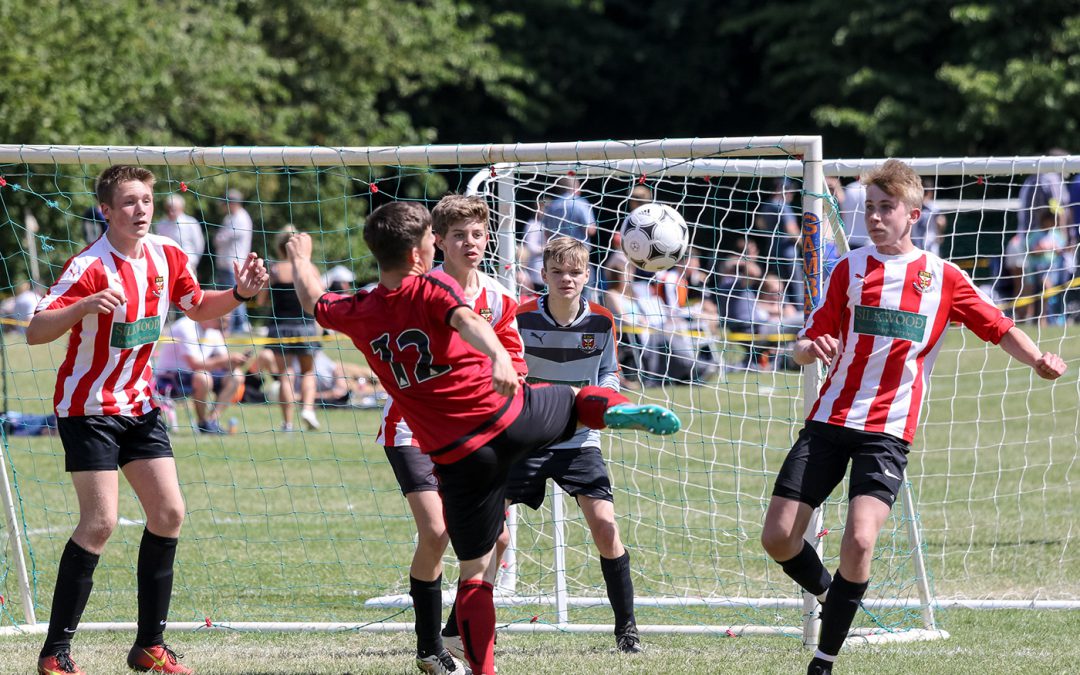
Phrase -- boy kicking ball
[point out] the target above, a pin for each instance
(460, 226)
(459, 393)
(886, 308)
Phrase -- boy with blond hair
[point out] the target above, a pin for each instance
(886, 309)
(569, 340)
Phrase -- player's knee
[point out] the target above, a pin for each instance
(778, 543)
(167, 519)
(95, 530)
(433, 537)
(858, 545)
(606, 535)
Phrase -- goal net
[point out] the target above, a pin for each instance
(308, 530)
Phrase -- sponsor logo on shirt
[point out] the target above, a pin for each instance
(891, 323)
(129, 335)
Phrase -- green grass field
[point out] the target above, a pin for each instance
(307, 526)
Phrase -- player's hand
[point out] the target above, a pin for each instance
(237, 359)
(251, 277)
(504, 379)
(103, 302)
(299, 247)
(824, 348)
(1050, 366)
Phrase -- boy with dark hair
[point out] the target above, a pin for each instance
(459, 392)
(570, 340)
(114, 296)
(460, 226)
(886, 308)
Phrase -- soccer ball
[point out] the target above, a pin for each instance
(655, 237)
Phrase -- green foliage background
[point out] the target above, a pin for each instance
(925, 78)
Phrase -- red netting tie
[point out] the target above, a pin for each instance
(571, 172)
(641, 179)
(491, 170)
(730, 633)
(1, 600)
(979, 180)
(534, 619)
(505, 565)
(209, 623)
(708, 179)
(3, 183)
(822, 533)
(374, 188)
(183, 186)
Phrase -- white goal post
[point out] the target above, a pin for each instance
(690, 508)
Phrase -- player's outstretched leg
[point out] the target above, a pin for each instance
(599, 408)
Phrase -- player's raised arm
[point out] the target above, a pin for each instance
(309, 287)
(251, 277)
(478, 333)
(1018, 345)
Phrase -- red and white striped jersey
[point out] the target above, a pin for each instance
(889, 314)
(494, 302)
(107, 367)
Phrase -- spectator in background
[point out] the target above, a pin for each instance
(854, 214)
(1039, 193)
(1043, 264)
(232, 242)
(569, 214)
(773, 318)
(184, 230)
(196, 362)
(927, 230)
(531, 253)
(775, 225)
(23, 304)
(631, 324)
(94, 224)
(296, 331)
(339, 279)
(638, 278)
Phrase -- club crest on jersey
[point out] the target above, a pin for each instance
(159, 286)
(588, 342)
(923, 281)
(485, 312)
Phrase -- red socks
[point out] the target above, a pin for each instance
(592, 402)
(476, 622)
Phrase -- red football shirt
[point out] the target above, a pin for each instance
(442, 384)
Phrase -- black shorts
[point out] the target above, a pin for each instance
(108, 442)
(413, 469)
(293, 333)
(474, 488)
(578, 471)
(819, 458)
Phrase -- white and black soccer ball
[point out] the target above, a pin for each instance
(655, 237)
